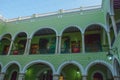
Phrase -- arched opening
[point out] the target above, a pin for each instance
(39, 71)
(99, 71)
(70, 72)
(71, 40)
(12, 72)
(97, 76)
(43, 42)
(4, 44)
(96, 39)
(19, 44)
(14, 75)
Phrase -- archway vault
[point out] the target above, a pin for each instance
(38, 62)
(80, 67)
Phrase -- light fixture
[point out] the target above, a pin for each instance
(111, 53)
(109, 56)
(78, 72)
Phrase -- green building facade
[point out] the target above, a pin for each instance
(64, 45)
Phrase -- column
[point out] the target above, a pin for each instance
(28, 46)
(104, 37)
(84, 77)
(83, 43)
(2, 76)
(21, 76)
(114, 25)
(109, 39)
(57, 44)
(55, 77)
(10, 47)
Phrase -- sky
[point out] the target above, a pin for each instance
(16, 8)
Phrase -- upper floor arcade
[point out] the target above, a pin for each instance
(65, 31)
(47, 40)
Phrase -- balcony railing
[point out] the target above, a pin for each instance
(78, 50)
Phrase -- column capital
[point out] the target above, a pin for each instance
(29, 38)
(12, 40)
(84, 77)
(22, 73)
(56, 76)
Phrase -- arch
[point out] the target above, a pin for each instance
(93, 38)
(15, 48)
(43, 28)
(109, 66)
(13, 75)
(9, 64)
(98, 72)
(6, 34)
(99, 24)
(19, 33)
(38, 61)
(70, 27)
(70, 62)
(5, 41)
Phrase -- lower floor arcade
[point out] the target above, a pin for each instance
(69, 70)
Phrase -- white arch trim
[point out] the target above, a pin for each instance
(108, 65)
(43, 28)
(18, 34)
(4, 35)
(99, 24)
(9, 64)
(70, 62)
(76, 26)
(38, 61)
